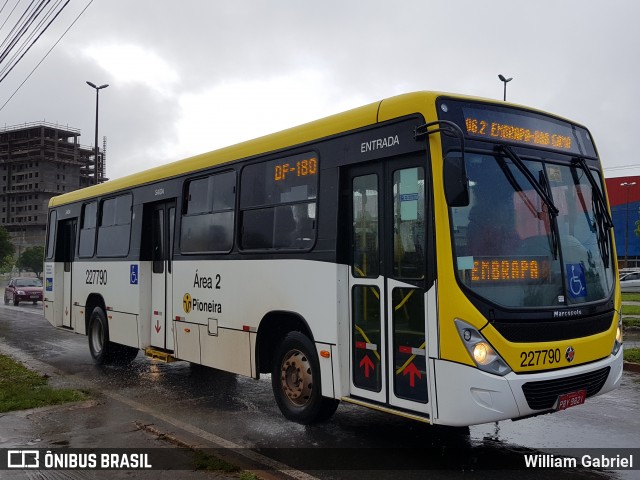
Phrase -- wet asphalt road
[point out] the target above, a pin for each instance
(243, 411)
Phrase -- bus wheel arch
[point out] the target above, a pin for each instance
(103, 350)
(274, 327)
(296, 381)
(94, 300)
(286, 349)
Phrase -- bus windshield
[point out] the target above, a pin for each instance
(513, 251)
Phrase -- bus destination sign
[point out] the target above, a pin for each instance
(299, 168)
(509, 270)
(520, 128)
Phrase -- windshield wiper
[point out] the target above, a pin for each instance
(602, 218)
(555, 236)
(546, 198)
(516, 186)
(542, 190)
(596, 189)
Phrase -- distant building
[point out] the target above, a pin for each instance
(39, 161)
(624, 198)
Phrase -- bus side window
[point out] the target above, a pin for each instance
(114, 231)
(278, 204)
(88, 230)
(51, 233)
(208, 214)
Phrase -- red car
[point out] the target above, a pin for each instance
(23, 290)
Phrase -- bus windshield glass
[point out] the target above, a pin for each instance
(511, 250)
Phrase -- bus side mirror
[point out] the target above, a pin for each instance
(456, 183)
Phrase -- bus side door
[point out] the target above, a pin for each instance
(387, 282)
(162, 235)
(65, 254)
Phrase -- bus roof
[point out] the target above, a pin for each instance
(370, 114)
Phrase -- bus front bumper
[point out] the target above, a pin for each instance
(469, 396)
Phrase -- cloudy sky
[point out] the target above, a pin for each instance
(192, 76)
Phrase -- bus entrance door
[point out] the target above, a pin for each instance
(387, 284)
(65, 253)
(162, 228)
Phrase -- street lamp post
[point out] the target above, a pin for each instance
(627, 185)
(96, 166)
(505, 81)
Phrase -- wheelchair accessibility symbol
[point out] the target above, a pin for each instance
(576, 280)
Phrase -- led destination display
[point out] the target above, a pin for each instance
(519, 128)
(299, 168)
(509, 270)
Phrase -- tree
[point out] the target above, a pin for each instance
(7, 263)
(32, 259)
(6, 249)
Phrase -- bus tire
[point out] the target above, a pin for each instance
(102, 350)
(295, 379)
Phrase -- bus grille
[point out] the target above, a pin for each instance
(543, 395)
(559, 329)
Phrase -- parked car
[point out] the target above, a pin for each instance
(23, 290)
(630, 282)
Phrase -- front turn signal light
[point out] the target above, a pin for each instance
(617, 343)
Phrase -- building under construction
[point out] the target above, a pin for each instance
(39, 161)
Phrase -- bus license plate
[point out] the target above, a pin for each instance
(571, 399)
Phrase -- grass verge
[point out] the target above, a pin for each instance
(631, 297)
(20, 388)
(631, 310)
(630, 322)
(211, 463)
(632, 355)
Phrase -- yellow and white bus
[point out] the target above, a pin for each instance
(439, 257)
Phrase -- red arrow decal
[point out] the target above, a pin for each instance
(367, 364)
(158, 327)
(412, 371)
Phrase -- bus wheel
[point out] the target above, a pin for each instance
(296, 381)
(99, 344)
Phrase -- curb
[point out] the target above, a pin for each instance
(632, 367)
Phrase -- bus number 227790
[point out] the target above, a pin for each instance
(96, 277)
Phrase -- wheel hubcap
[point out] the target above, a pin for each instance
(296, 378)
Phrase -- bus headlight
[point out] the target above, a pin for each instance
(617, 343)
(482, 353)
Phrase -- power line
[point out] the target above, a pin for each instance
(46, 55)
(11, 38)
(31, 35)
(10, 13)
(16, 43)
(5, 4)
(32, 44)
